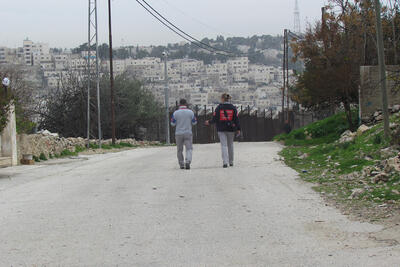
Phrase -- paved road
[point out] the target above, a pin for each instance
(136, 208)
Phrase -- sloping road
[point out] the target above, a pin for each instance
(136, 208)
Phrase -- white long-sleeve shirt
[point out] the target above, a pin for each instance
(183, 119)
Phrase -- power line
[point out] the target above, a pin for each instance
(188, 35)
(196, 42)
(163, 20)
(176, 32)
(169, 27)
(200, 22)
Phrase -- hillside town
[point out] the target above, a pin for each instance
(251, 85)
(200, 133)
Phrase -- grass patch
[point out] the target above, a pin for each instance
(324, 131)
(111, 146)
(105, 146)
(122, 144)
(319, 159)
(68, 153)
(94, 146)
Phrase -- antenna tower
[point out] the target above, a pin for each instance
(297, 25)
(93, 66)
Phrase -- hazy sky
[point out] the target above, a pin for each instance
(63, 23)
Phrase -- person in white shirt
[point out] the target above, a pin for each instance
(184, 119)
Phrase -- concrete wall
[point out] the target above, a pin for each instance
(9, 138)
(370, 91)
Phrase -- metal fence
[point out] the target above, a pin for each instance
(257, 126)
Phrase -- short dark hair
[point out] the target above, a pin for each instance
(182, 102)
(226, 97)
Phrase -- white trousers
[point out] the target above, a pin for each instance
(226, 139)
(187, 141)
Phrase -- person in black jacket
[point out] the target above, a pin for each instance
(227, 122)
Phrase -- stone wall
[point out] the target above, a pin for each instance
(52, 144)
(370, 91)
(47, 144)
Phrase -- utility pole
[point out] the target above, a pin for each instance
(382, 68)
(88, 73)
(111, 75)
(166, 93)
(93, 38)
(287, 74)
(284, 76)
(394, 10)
(97, 77)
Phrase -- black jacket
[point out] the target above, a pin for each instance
(226, 118)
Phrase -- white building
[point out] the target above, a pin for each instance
(199, 98)
(9, 56)
(218, 72)
(238, 65)
(190, 66)
(255, 85)
(262, 74)
(28, 52)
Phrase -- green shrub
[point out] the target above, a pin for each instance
(318, 132)
(299, 135)
(94, 146)
(42, 157)
(79, 149)
(36, 159)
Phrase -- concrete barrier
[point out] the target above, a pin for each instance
(9, 155)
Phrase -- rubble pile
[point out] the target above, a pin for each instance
(347, 136)
(378, 115)
(377, 175)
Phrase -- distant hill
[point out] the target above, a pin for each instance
(265, 49)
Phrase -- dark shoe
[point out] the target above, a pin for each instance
(182, 167)
(231, 164)
(225, 166)
(187, 166)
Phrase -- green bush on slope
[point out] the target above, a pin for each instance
(324, 131)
